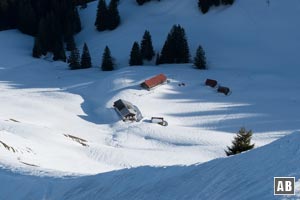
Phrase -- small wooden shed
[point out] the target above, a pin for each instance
(127, 110)
(224, 90)
(154, 81)
(210, 82)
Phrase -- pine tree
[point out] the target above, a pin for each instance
(27, 20)
(135, 55)
(85, 57)
(204, 5)
(70, 43)
(200, 59)
(42, 36)
(182, 52)
(113, 15)
(147, 47)
(167, 54)
(141, 2)
(157, 61)
(175, 49)
(37, 48)
(59, 51)
(76, 21)
(227, 2)
(216, 2)
(102, 15)
(74, 59)
(107, 61)
(241, 142)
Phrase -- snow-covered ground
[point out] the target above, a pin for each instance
(59, 122)
(247, 176)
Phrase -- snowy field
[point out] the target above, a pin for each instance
(58, 122)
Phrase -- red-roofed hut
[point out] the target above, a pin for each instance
(154, 81)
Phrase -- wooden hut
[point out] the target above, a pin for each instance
(224, 90)
(210, 82)
(154, 81)
(127, 110)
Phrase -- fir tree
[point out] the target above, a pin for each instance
(85, 57)
(175, 49)
(76, 21)
(167, 55)
(157, 61)
(141, 2)
(74, 59)
(182, 52)
(27, 20)
(107, 61)
(216, 2)
(241, 142)
(113, 15)
(147, 47)
(227, 2)
(37, 48)
(102, 15)
(135, 55)
(59, 51)
(204, 5)
(70, 43)
(200, 59)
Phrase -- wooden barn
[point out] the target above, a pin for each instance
(210, 82)
(154, 81)
(127, 110)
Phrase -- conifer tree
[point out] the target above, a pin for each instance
(74, 59)
(147, 47)
(216, 2)
(135, 55)
(70, 43)
(107, 60)
(113, 15)
(85, 57)
(200, 59)
(167, 55)
(37, 48)
(204, 5)
(157, 61)
(241, 142)
(227, 2)
(102, 15)
(175, 49)
(27, 20)
(59, 51)
(182, 52)
(76, 21)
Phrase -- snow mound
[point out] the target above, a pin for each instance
(245, 176)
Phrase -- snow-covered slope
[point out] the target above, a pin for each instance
(61, 122)
(246, 176)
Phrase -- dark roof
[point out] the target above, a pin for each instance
(125, 107)
(154, 81)
(211, 82)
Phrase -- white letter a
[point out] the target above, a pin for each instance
(280, 186)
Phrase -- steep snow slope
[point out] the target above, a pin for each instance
(246, 176)
(62, 121)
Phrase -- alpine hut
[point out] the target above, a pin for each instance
(127, 110)
(210, 82)
(224, 90)
(154, 81)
